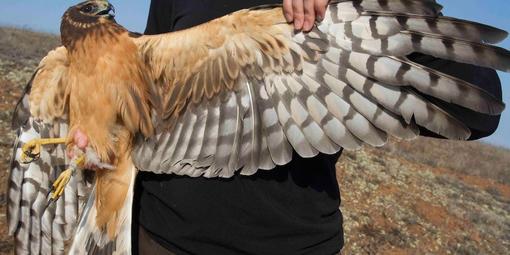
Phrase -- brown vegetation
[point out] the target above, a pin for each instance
(392, 205)
(19, 45)
(422, 197)
(472, 158)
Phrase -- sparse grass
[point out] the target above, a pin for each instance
(471, 158)
(19, 45)
(493, 191)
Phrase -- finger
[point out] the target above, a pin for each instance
(287, 10)
(80, 139)
(309, 10)
(320, 9)
(298, 14)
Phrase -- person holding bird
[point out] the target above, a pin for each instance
(217, 132)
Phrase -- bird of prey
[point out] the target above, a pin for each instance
(239, 93)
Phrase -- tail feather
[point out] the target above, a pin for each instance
(89, 239)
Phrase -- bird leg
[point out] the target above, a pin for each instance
(80, 159)
(63, 179)
(31, 151)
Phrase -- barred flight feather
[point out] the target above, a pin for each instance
(343, 84)
(376, 25)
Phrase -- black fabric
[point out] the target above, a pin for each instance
(481, 125)
(293, 209)
(174, 15)
(290, 210)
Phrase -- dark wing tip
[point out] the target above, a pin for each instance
(22, 109)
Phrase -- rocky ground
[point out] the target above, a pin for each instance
(420, 197)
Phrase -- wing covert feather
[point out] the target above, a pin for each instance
(48, 91)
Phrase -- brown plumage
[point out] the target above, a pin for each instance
(234, 95)
(107, 71)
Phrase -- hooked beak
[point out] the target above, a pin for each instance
(106, 10)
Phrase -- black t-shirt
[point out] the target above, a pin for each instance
(293, 209)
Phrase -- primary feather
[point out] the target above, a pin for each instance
(232, 96)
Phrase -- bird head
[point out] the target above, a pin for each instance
(84, 17)
(93, 9)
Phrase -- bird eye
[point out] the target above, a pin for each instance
(87, 8)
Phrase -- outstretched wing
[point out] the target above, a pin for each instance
(243, 91)
(38, 226)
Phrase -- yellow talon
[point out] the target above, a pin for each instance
(32, 149)
(63, 179)
(60, 183)
(80, 161)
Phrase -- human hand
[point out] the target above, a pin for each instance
(304, 12)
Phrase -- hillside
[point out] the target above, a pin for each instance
(421, 197)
